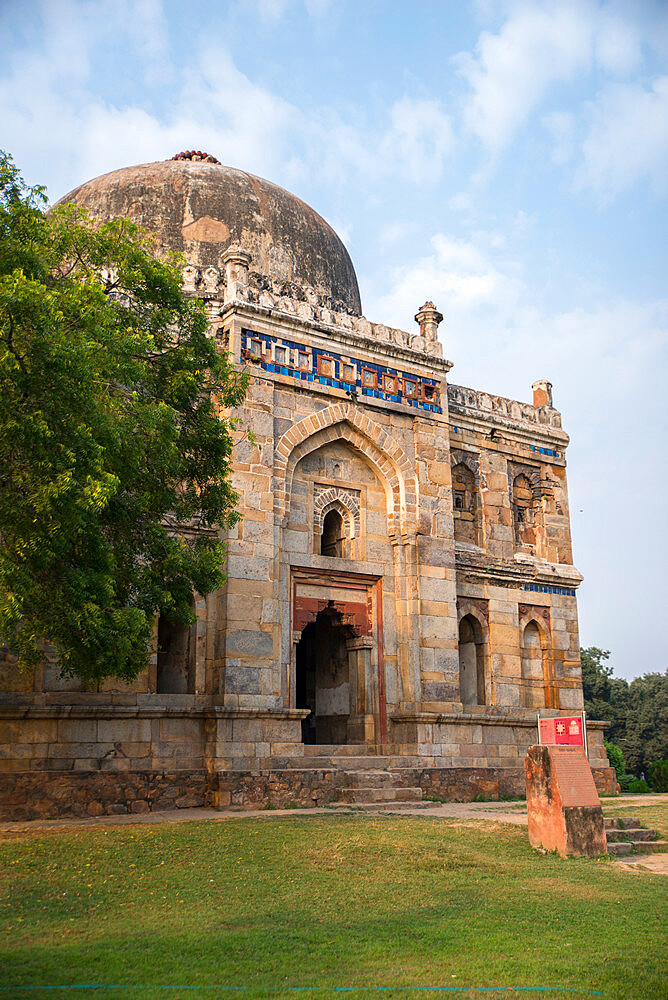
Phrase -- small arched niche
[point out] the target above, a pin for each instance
(333, 534)
(524, 513)
(471, 661)
(533, 688)
(465, 505)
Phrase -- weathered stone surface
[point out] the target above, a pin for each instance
(250, 641)
(79, 793)
(200, 209)
(242, 680)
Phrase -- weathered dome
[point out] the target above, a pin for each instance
(200, 208)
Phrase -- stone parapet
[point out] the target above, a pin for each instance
(463, 400)
(110, 737)
(58, 738)
(484, 736)
(300, 305)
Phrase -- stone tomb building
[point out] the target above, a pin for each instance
(401, 595)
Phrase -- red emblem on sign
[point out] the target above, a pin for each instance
(557, 732)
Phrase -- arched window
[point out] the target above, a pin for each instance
(471, 662)
(331, 540)
(465, 506)
(533, 689)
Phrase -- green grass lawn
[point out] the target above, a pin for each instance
(276, 903)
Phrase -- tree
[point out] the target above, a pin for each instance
(112, 438)
(638, 711)
(605, 696)
(646, 735)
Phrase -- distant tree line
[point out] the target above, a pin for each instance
(637, 710)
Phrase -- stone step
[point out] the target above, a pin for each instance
(396, 806)
(374, 795)
(628, 834)
(624, 847)
(406, 761)
(620, 849)
(621, 822)
(329, 763)
(368, 779)
(334, 749)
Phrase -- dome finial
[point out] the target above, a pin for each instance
(196, 156)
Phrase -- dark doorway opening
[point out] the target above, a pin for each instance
(176, 658)
(323, 679)
(331, 540)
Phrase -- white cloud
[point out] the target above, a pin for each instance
(512, 70)
(562, 127)
(271, 10)
(459, 276)
(317, 8)
(618, 43)
(393, 233)
(615, 139)
(627, 139)
(485, 290)
(419, 139)
(53, 117)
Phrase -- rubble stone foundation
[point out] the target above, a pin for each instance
(80, 794)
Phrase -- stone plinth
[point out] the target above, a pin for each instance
(563, 807)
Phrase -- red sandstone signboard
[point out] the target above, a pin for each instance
(565, 731)
(563, 808)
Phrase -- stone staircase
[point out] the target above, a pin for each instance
(369, 779)
(367, 787)
(626, 836)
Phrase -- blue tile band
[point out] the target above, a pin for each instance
(395, 393)
(538, 588)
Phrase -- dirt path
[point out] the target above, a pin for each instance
(498, 812)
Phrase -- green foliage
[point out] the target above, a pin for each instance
(110, 429)
(638, 786)
(616, 760)
(638, 711)
(658, 776)
(646, 736)
(604, 695)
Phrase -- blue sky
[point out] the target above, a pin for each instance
(508, 160)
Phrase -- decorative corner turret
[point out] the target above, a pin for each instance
(429, 318)
(542, 393)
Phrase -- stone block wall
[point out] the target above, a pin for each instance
(83, 794)
(483, 737)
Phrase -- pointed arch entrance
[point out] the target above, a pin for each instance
(338, 669)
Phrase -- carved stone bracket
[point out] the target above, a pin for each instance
(535, 611)
(466, 605)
